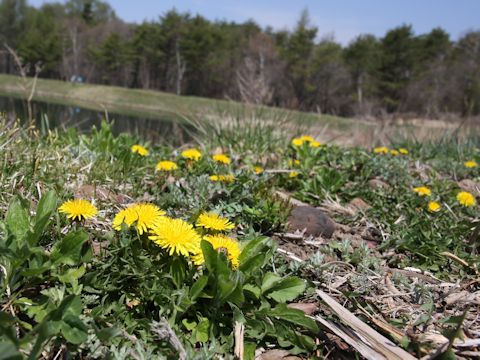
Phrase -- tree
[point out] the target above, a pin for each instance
(91, 11)
(41, 43)
(328, 78)
(114, 57)
(362, 57)
(297, 53)
(259, 75)
(429, 91)
(398, 59)
(467, 71)
(13, 15)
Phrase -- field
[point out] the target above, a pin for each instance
(320, 251)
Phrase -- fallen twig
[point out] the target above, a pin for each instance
(164, 332)
(379, 347)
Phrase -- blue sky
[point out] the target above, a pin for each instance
(344, 19)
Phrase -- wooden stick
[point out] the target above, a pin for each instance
(376, 341)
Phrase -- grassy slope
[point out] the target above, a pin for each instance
(146, 103)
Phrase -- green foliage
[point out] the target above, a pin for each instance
(95, 292)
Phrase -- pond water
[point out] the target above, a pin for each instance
(50, 115)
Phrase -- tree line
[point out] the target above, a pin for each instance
(401, 72)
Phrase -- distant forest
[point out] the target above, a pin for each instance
(401, 73)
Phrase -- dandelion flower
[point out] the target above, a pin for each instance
(466, 199)
(293, 162)
(126, 216)
(220, 243)
(227, 178)
(297, 142)
(214, 222)
(176, 236)
(434, 206)
(191, 154)
(258, 169)
(166, 166)
(470, 164)
(293, 174)
(381, 150)
(148, 216)
(222, 159)
(307, 138)
(143, 214)
(222, 178)
(140, 150)
(422, 191)
(78, 209)
(315, 144)
(403, 151)
(394, 152)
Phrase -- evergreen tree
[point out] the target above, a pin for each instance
(298, 52)
(398, 59)
(13, 15)
(362, 57)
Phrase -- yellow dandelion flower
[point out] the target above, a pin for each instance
(191, 154)
(176, 236)
(394, 152)
(434, 206)
(258, 169)
(227, 178)
(126, 216)
(297, 142)
(403, 151)
(466, 199)
(307, 138)
(143, 214)
(470, 164)
(224, 243)
(78, 209)
(222, 178)
(166, 165)
(293, 162)
(422, 191)
(140, 150)
(315, 144)
(214, 222)
(293, 174)
(148, 215)
(381, 150)
(222, 159)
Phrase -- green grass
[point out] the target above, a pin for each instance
(149, 103)
(85, 290)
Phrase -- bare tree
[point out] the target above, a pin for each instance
(260, 72)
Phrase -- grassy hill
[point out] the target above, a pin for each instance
(148, 103)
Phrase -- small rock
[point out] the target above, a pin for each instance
(471, 186)
(358, 204)
(314, 221)
(378, 184)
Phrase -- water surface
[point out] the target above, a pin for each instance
(57, 116)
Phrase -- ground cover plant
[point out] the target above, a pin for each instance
(115, 248)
